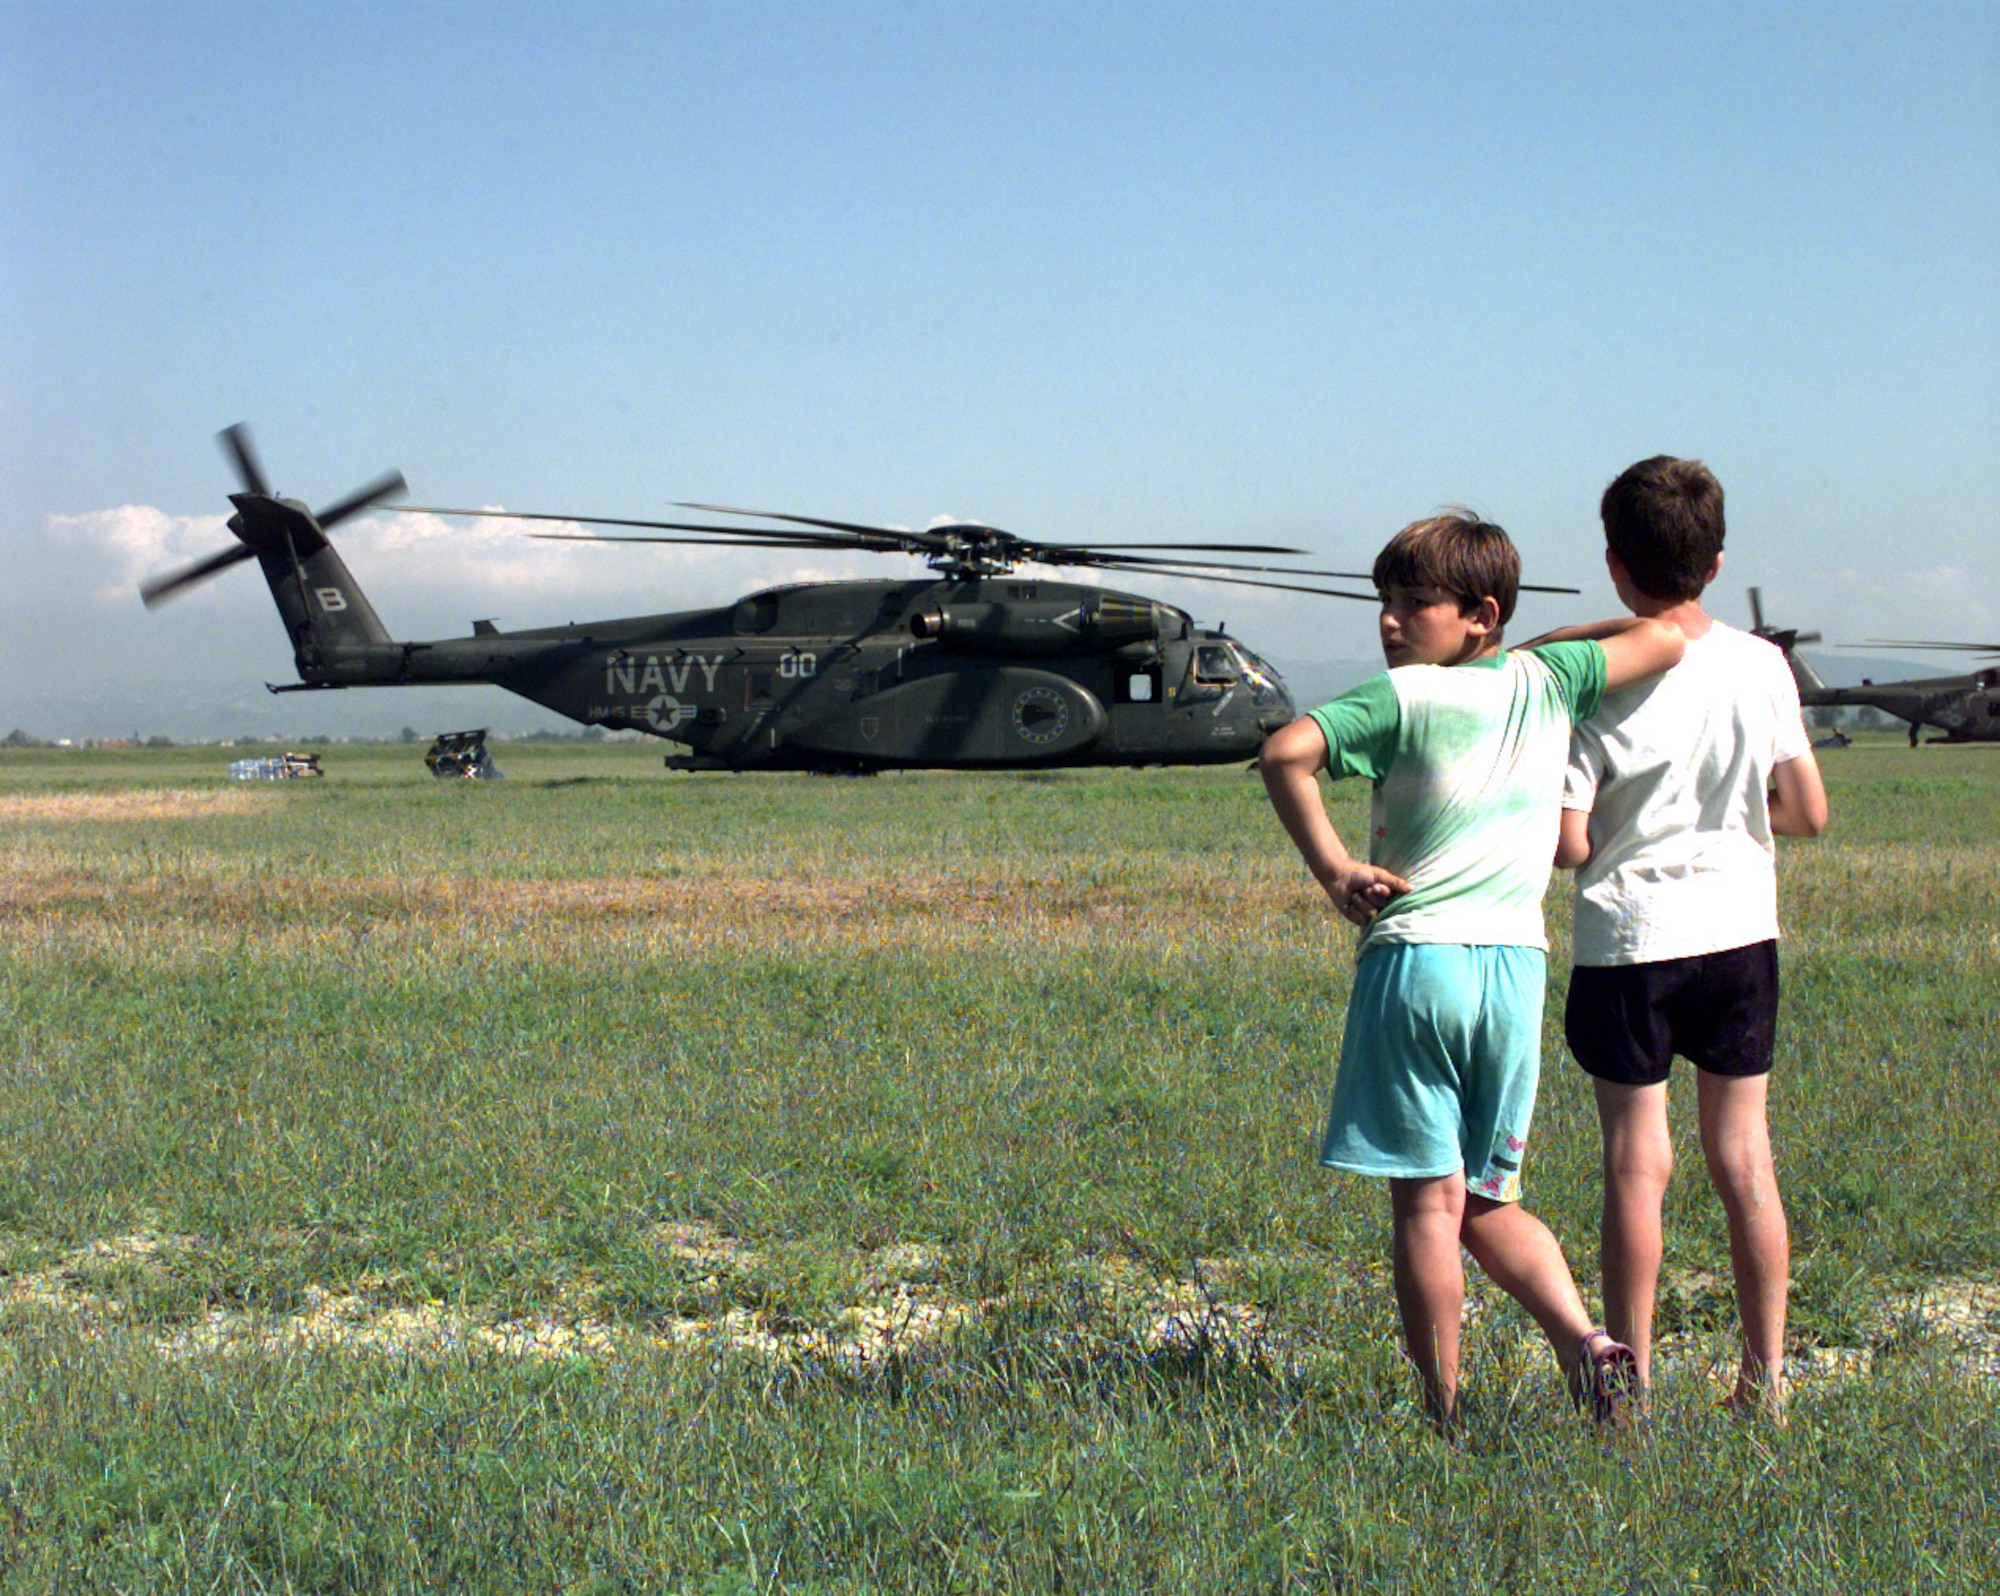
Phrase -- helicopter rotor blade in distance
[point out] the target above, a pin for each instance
(236, 444)
(157, 592)
(1904, 642)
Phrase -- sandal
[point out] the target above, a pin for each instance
(1608, 1374)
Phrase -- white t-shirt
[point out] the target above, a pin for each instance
(1675, 773)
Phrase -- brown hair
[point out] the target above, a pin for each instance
(1663, 519)
(1458, 554)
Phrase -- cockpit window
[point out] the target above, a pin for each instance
(1266, 687)
(756, 614)
(1214, 664)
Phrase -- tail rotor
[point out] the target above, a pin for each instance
(1787, 638)
(265, 523)
(236, 443)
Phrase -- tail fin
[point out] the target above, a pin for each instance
(1786, 639)
(1808, 679)
(325, 612)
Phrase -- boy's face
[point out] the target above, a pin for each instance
(1421, 626)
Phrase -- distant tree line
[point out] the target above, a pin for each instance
(19, 738)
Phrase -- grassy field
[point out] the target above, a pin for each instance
(608, 1181)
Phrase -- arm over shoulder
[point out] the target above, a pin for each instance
(1578, 667)
(1644, 648)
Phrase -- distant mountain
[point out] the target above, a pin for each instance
(1313, 682)
(200, 710)
(1839, 669)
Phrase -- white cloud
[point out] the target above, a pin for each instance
(111, 551)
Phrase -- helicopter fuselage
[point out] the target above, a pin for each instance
(974, 666)
(971, 671)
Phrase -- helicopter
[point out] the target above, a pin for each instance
(1965, 708)
(976, 666)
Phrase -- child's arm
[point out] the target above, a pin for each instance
(1798, 798)
(1573, 841)
(1641, 646)
(1637, 648)
(1290, 765)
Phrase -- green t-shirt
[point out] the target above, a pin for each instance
(1468, 764)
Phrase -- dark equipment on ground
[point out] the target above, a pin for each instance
(973, 666)
(461, 756)
(1965, 708)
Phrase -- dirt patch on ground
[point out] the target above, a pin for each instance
(152, 804)
(903, 1308)
(681, 918)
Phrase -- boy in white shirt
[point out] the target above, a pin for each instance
(1675, 789)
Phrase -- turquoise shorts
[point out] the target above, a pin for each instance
(1439, 1065)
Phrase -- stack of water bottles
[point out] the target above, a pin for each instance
(281, 767)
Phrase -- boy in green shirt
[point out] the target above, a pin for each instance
(1466, 745)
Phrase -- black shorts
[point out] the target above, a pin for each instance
(1719, 1011)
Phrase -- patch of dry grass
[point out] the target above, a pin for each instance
(142, 804)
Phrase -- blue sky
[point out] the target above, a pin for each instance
(1106, 271)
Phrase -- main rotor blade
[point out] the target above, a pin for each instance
(1161, 563)
(892, 541)
(163, 588)
(776, 541)
(1282, 587)
(931, 536)
(1114, 563)
(1213, 548)
(235, 442)
(1369, 576)
(390, 485)
(980, 526)
(1072, 554)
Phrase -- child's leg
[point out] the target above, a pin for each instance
(1736, 1141)
(1524, 1260)
(1430, 1282)
(1638, 1158)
